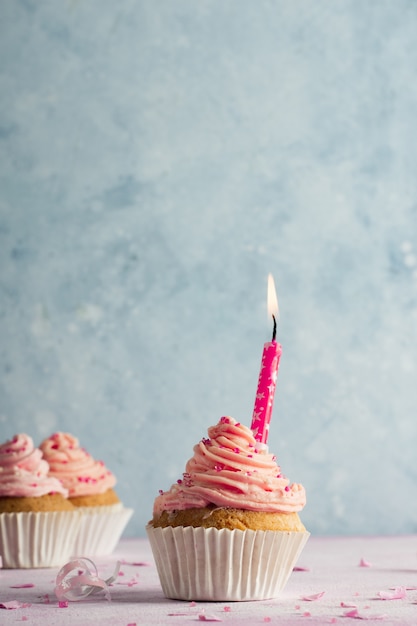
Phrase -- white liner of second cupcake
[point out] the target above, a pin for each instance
(101, 528)
(224, 565)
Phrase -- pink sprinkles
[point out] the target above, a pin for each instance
(87, 479)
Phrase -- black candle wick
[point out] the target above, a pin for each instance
(274, 332)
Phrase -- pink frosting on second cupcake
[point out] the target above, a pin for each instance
(75, 467)
(230, 469)
(23, 471)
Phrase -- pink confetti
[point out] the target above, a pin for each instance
(14, 604)
(227, 609)
(192, 603)
(313, 597)
(132, 624)
(297, 568)
(306, 614)
(398, 594)
(345, 605)
(209, 618)
(267, 619)
(363, 563)
(354, 614)
(23, 586)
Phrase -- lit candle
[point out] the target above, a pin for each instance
(268, 374)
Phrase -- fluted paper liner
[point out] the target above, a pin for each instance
(224, 565)
(100, 530)
(38, 539)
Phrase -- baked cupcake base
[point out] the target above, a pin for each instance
(48, 502)
(224, 565)
(106, 498)
(231, 518)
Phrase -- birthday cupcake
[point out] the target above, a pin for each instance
(90, 487)
(38, 524)
(229, 529)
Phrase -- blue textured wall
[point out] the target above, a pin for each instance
(157, 160)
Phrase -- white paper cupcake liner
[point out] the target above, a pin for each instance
(38, 539)
(100, 529)
(224, 565)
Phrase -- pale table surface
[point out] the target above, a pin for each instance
(330, 565)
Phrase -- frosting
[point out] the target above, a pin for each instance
(76, 469)
(23, 471)
(230, 469)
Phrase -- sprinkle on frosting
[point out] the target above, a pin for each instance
(75, 467)
(23, 471)
(225, 472)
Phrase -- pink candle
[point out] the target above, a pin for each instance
(268, 374)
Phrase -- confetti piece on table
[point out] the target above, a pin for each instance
(227, 609)
(298, 568)
(306, 614)
(14, 604)
(79, 578)
(348, 606)
(23, 586)
(63, 604)
(313, 597)
(398, 594)
(209, 618)
(363, 563)
(354, 613)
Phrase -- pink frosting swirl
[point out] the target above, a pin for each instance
(230, 469)
(75, 468)
(23, 471)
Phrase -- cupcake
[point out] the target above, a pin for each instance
(38, 524)
(229, 529)
(91, 490)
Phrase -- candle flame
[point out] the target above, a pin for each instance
(273, 308)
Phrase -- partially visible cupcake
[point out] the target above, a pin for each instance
(229, 528)
(38, 524)
(91, 489)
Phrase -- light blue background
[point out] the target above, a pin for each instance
(157, 160)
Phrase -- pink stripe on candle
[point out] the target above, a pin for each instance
(265, 392)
